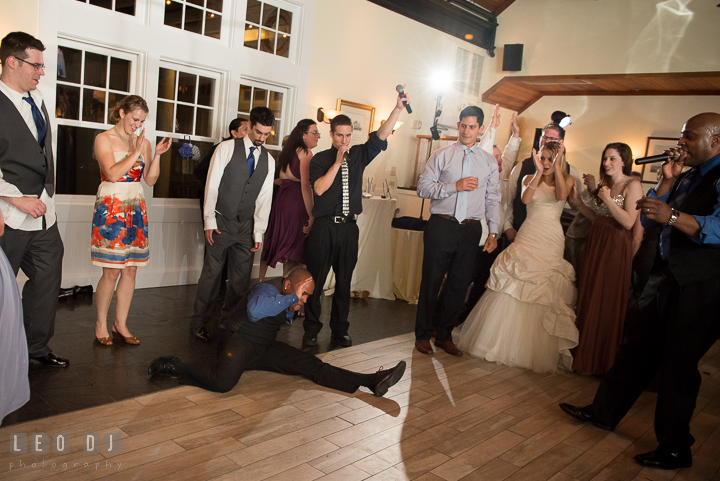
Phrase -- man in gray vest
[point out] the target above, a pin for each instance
(238, 195)
(27, 185)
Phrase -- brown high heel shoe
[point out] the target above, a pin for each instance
(103, 341)
(128, 340)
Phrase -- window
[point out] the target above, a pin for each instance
(468, 72)
(198, 16)
(186, 107)
(123, 6)
(267, 28)
(90, 82)
(259, 95)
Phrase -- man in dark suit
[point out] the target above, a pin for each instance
(27, 184)
(675, 320)
(238, 195)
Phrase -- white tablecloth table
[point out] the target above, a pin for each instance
(407, 259)
(373, 272)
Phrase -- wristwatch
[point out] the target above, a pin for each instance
(493, 235)
(674, 214)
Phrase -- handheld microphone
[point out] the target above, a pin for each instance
(655, 158)
(400, 90)
(346, 156)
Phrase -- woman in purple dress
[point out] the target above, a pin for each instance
(291, 216)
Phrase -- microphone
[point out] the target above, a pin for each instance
(655, 158)
(400, 90)
(347, 155)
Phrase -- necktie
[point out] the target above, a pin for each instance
(251, 161)
(461, 202)
(38, 118)
(675, 201)
(346, 189)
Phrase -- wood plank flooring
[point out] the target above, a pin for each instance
(448, 419)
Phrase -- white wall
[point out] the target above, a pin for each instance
(563, 37)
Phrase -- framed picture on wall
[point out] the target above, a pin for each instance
(656, 146)
(362, 117)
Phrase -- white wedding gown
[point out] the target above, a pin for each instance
(525, 318)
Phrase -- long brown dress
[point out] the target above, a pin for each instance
(603, 291)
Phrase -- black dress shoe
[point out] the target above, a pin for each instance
(584, 414)
(343, 340)
(82, 291)
(165, 366)
(53, 360)
(661, 459)
(385, 379)
(200, 333)
(309, 339)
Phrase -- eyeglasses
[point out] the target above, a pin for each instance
(36, 66)
(551, 139)
(314, 132)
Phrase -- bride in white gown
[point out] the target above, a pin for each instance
(525, 318)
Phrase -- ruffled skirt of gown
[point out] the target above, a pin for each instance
(525, 318)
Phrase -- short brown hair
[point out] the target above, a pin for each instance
(15, 45)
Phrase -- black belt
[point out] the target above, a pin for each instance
(340, 219)
(466, 221)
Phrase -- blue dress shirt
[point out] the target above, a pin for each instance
(709, 225)
(265, 300)
(445, 168)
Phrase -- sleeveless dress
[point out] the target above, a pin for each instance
(525, 318)
(603, 291)
(284, 238)
(120, 225)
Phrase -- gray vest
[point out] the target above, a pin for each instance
(238, 191)
(23, 162)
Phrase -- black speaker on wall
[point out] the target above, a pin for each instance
(512, 57)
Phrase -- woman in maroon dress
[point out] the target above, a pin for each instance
(291, 215)
(606, 271)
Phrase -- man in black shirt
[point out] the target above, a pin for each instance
(336, 175)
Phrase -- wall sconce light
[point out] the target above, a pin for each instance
(327, 115)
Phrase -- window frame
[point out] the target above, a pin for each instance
(288, 101)
(224, 27)
(295, 29)
(137, 71)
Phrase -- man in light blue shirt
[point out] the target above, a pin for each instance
(462, 182)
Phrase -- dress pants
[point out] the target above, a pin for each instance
(483, 264)
(449, 248)
(331, 245)
(39, 254)
(233, 246)
(240, 354)
(668, 327)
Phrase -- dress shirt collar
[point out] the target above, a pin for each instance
(17, 98)
(709, 165)
(462, 147)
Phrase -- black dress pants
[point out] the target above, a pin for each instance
(240, 354)
(39, 254)
(483, 264)
(232, 247)
(450, 249)
(331, 245)
(668, 327)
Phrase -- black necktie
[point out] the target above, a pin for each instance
(38, 118)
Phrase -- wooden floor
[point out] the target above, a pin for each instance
(448, 419)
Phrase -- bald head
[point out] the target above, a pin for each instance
(701, 138)
(299, 275)
(301, 282)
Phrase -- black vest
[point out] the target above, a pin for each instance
(688, 261)
(519, 208)
(23, 162)
(265, 330)
(238, 191)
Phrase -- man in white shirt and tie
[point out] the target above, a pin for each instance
(238, 195)
(462, 182)
(27, 184)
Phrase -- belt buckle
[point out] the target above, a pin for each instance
(339, 219)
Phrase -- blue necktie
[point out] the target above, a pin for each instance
(38, 118)
(461, 202)
(251, 162)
